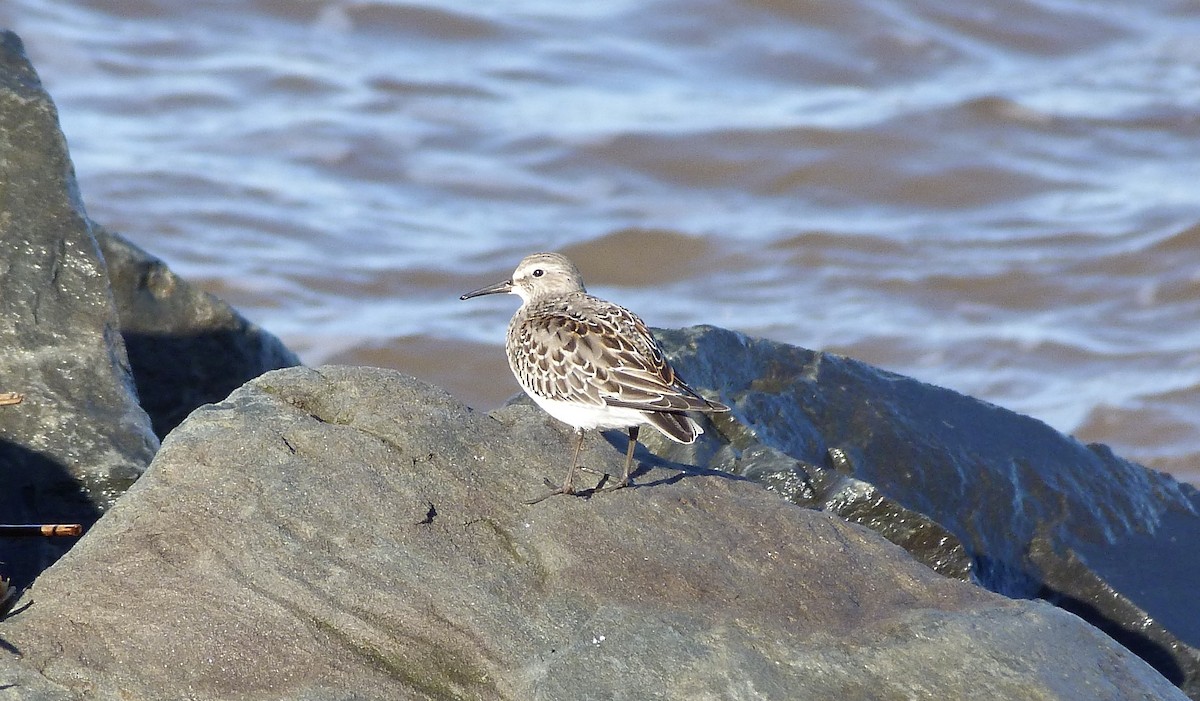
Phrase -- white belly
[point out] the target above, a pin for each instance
(590, 417)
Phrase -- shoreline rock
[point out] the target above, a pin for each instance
(186, 347)
(106, 343)
(80, 438)
(1037, 513)
(354, 532)
(315, 502)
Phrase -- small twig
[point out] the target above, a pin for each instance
(41, 529)
(10, 398)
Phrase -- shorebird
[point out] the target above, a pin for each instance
(590, 363)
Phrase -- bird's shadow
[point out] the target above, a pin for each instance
(646, 462)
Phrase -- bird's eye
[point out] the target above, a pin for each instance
(539, 272)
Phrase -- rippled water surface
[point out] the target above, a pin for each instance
(1001, 197)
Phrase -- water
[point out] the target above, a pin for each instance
(999, 197)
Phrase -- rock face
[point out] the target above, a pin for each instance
(186, 347)
(89, 322)
(354, 533)
(1038, 514)
(80, 438)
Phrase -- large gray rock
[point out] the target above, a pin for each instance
(80, 438)
(353, 533)
(89, 322)
(1038, 513)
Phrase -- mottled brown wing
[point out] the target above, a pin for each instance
(645, 379)
(554, 353)
(599, 353)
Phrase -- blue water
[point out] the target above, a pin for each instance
(998, 197)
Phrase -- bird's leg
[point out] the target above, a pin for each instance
(567, 488)
(568, 484)
(624, 482)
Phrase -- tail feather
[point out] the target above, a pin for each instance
(680, 428)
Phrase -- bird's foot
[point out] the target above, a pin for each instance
(619, 484)
(569, 490)
(554, 491)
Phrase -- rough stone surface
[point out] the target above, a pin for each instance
(326, 535)
(836, 492)
(353, 533)
(186, 347)
(80, 438)
(89, 322)
(1038, 513)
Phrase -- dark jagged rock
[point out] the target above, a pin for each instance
(89, 322)
(186, 347)
(1039, 513)
(79, 438)
(859, 502)
(355, 533)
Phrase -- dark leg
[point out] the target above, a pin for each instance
(567, 487)
(633, 434)
(568, 484)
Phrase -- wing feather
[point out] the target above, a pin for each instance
(589, 351)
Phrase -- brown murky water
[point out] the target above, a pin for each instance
(999, 197)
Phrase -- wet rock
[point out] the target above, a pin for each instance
(859, 502)
(79, 438)
(1038, 513)
(103, 339)
(186, 347)
(353, 532)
